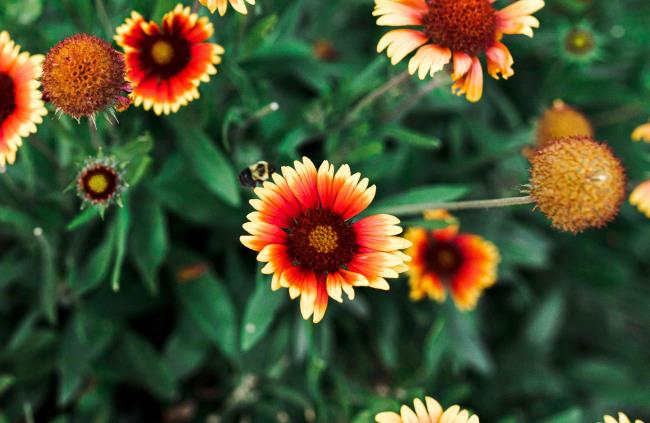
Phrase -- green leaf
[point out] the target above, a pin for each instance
(572, 415)
(16, 219)
(208, 303)
(426, 223)
(545, 322)
(145, 366)
(82, 218)
(260, 311)
(208, 163)
(436, 344)
(49, 278)
(96, 268)
(413, 138)
(6, 382)
(466, 342)
(83, 340)
(149, 241)
(417, 200)
(121, 236)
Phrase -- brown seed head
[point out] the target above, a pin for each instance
(83, 75)
(468, 26)
(578, 183)
(561, 120)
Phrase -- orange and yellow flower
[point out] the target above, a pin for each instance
(622, 418)
(454, 31)
(429, 411)
(445, 259)
(166, 63)
(304, 231)
(21, 106)
(642, 133)
(640, 198)
(222, 5)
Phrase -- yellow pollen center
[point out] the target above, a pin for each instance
(162, 52)
(98, 183)
(323, 239)
(580, 41)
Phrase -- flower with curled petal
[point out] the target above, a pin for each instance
(456, 31)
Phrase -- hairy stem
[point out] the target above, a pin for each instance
(410, 209)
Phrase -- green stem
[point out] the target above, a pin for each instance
(410, 209)
(374, 95)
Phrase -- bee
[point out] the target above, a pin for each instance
(255, 174)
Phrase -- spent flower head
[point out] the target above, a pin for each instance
(577, 183)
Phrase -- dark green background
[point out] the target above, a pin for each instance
(563, 337)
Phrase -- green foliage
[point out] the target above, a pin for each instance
(100, 322)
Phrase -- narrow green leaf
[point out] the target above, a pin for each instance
(121, 236)
(149, 241)
(6, 381)
(48, 283)
(208, 163)
(436, 344)
(146, 367)
(96, 268)
(413, 138)
(208, 303)
(260, 311)
(426, 223)
(545, 322)
(82, 218)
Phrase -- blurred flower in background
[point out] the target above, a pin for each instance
(167, 63)
(642, 133)
(622, 418)
(222, 5)
(303, 231)
(580, 43)
(640, 198)
(21, 106)
(83, 75)
(559, 121)
(445, 259)
(457, 31)
(429, 411)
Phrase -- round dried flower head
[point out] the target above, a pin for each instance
(559, 121)
(83, 75)
(456, 32)
(428, 411)
(21, 107)
(100, 182)
(579, 43)
(578, 183)
(222, 5)
(622, 418)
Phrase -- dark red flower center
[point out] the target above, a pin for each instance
(443, 258)
(7, 96)
(99, 183)
(468, 26)
(166, 55)
(321, 241)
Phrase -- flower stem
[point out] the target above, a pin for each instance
(374, 95)
(410, 209)
(103, 16)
